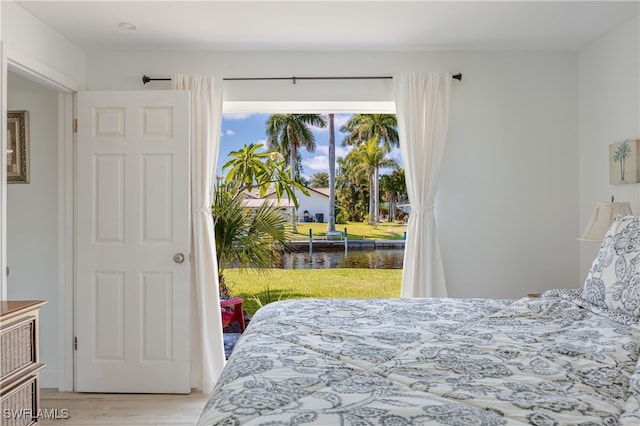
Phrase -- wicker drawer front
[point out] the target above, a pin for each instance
(19, 405)
(17, 346)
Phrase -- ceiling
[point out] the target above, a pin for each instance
(332, 25)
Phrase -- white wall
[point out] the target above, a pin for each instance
(609, 107)
(314, 203)
(39, 48)
(32, 217)
(35, 50)
(508, 197)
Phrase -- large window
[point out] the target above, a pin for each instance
(363, 257)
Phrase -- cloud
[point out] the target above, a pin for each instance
(396, 154)
(317, 163)
(339, 120)
(320, 161)
(316, 129)
(341, 151)
(229, 132)
(236, 116)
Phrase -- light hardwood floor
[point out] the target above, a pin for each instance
(88, 409)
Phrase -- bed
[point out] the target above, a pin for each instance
(567, 357)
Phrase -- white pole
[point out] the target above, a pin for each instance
(346, 244)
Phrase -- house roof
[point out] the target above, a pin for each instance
(255, 192)
(255, 203)
(322, 191)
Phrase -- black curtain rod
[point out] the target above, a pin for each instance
(146, 79)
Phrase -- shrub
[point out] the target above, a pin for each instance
(342, 217)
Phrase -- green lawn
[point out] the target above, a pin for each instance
(277, 284)
(355, 230)
(303, 283)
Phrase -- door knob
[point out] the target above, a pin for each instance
(178, 258)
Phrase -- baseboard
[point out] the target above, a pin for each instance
(49, 378)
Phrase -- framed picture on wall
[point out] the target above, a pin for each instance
(18, 147)
(624, 162)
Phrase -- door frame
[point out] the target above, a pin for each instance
(18, 62)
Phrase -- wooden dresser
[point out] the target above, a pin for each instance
(19, 362)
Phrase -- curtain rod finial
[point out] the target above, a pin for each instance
(457, 76)
(145, 79)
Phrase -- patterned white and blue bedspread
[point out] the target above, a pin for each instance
(543, 361)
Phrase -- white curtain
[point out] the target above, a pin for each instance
(422, 108)
(206, 119)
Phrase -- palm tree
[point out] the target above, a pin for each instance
(245, 238)
(622, 152)
(372, 157)
(351, 188)
(319, 180)
(378, 133)
(394, 187)
(363, 127)
(250, 238)
(249, 167)
(286, 133)
(331, 222)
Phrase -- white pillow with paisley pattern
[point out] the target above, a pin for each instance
(613, 281)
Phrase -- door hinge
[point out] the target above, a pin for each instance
(8, 271)
(75, 125)
(75, 343)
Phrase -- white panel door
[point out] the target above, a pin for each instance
(132, 296)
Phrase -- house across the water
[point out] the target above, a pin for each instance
(311, 208)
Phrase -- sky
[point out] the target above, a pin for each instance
(240, 129)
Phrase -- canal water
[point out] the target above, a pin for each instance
(336, 258)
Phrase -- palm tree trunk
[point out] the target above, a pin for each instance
(371, 190)
(223, 290)
(294, 216)
(331, 225)
(376, 197)
(392, 208)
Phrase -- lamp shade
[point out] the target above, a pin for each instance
(601, 218)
